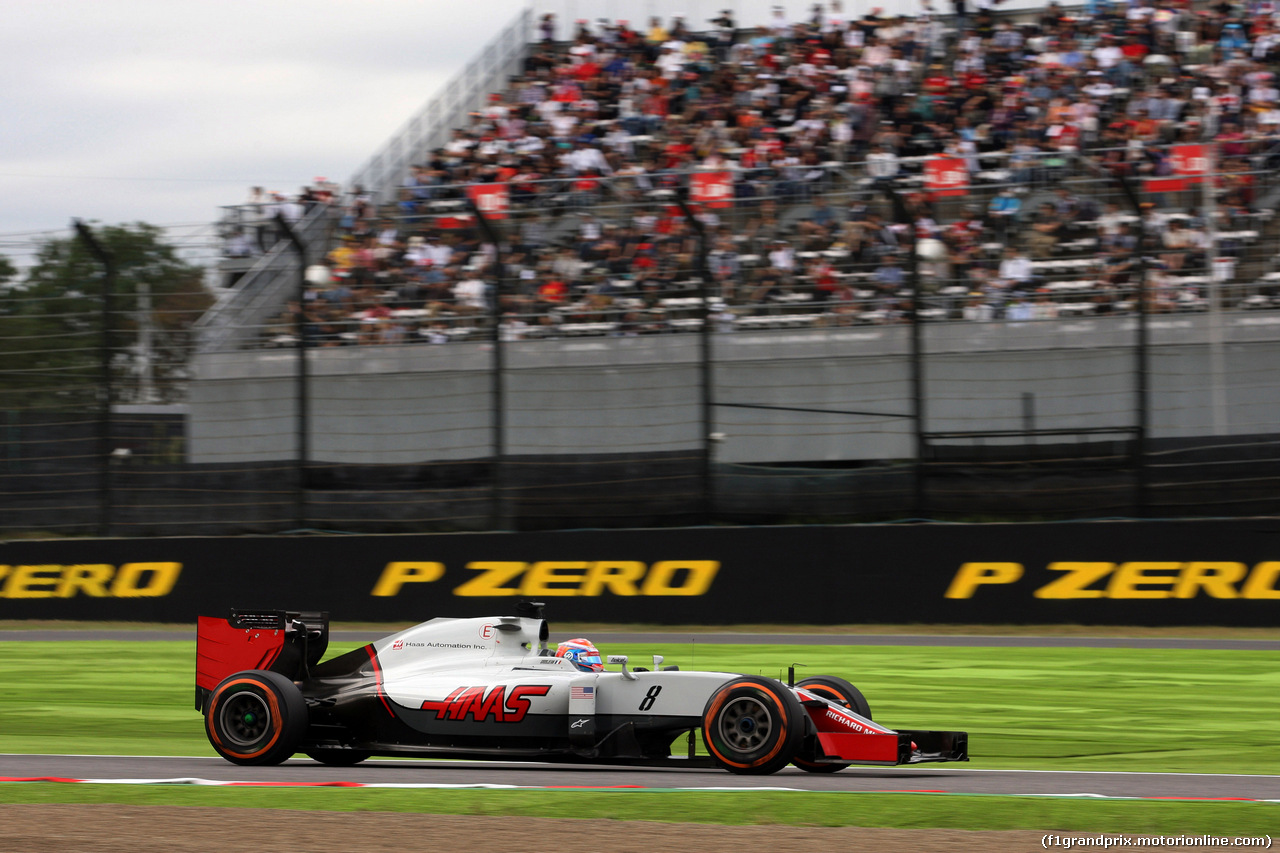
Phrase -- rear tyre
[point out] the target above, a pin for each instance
(256, 717)
(842, 693)
(753, 725)
(339, 757)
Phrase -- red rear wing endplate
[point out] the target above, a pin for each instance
(222, 650)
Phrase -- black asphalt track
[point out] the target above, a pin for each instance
(941, 777)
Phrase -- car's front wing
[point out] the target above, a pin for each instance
(846, 737)
(901, 747)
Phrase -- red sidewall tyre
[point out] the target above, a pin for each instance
(753, 725)
(256, 717)
(841, 692)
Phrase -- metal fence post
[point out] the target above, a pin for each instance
(106, 500)
(303, 379)
(902, 215)
(707, 410)
(497, 501)
(1141, 365)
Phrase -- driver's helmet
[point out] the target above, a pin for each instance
(582, 654)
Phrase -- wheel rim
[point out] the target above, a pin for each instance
(746, 724)
(245, 718)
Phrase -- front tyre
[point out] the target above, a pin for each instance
(753, 725)
(842, 693)
(256, 717)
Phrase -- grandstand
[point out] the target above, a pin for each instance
(1002, 266)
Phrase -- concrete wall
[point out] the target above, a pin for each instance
(419, 403)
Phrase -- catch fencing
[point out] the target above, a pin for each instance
(796, 344)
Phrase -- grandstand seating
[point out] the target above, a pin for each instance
(580, 161)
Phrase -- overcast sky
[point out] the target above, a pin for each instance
(162, 110)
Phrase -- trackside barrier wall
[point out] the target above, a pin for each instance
(1129, 573)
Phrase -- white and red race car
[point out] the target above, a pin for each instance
(490, 688)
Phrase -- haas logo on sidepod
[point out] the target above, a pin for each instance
(473, 702)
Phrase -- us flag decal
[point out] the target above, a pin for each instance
(582, 692)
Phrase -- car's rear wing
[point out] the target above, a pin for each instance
(289, 642)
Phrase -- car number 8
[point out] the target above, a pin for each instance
(647, 702)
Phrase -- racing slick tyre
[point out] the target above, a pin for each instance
(256, 717)
(842, 693)
(338, 757)
(753, 725)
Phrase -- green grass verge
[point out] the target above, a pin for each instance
(1088, 709)
(1083, 709)
(974, 812)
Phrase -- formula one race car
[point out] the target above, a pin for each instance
(492, 689)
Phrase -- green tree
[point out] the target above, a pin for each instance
(51, 321)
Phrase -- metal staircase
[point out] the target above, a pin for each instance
(237, 318)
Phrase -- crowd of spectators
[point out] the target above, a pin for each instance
(812, 119)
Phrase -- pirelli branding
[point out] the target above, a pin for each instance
(478, 579)
(499, 578)
(1132, 580)
(95, 580)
